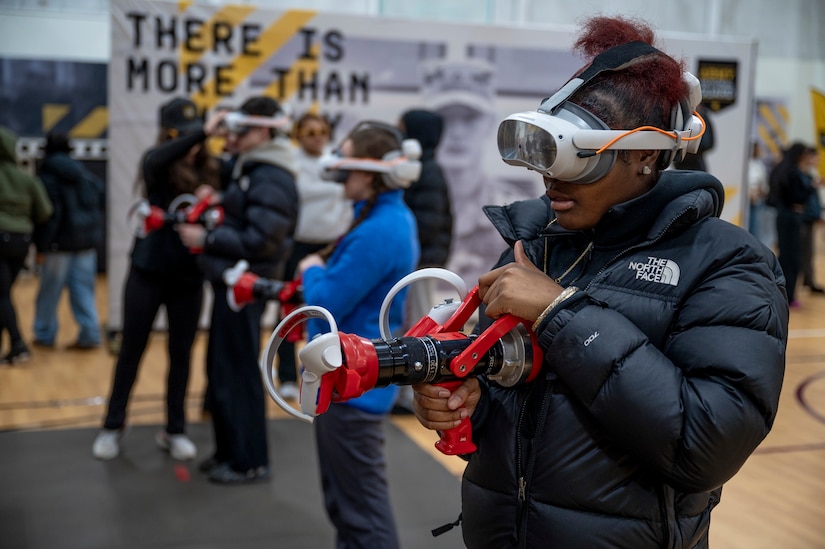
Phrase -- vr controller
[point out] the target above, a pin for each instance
(245, 287)
(145, 218)
(338, 367)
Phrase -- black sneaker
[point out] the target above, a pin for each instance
(208, 465)
(225, 474)
(18, 355)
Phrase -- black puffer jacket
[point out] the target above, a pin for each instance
(661, 376)
(261, 210)
(429, 197)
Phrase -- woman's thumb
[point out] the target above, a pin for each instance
(521, 257)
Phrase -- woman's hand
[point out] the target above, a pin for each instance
(518, 288)
(192, 236)
(213, 123)
(437, 409)
(312, 260)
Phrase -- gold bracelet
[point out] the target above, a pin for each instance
(567, 292)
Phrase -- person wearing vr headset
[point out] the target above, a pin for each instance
(663, 328)
(325, 214)
(350, 279)
(260, 206)
(162, 271)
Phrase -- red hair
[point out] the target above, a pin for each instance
(642, 94)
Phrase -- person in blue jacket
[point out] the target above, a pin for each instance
(379, 249)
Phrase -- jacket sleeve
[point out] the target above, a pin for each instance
(44, 233)
(270, 214)
(158, 160)
(42, 208)
(697, 408)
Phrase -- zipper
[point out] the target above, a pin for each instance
(524, 473)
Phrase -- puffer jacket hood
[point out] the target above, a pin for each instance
(426, 127)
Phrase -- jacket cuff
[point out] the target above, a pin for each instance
(560, 316)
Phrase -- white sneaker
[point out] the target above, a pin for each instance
(290, 391)
(178, 446)
(107, 443)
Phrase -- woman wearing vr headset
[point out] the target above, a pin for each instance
(163, 272)
(663, 328)
(350, 279)
(260, 205)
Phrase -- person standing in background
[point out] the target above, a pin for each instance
(260, 213)
(379, 250)
(429, 200)
(757, 192)
(789, 192)
(24, 203)
(325, 214)
(67, 245)
(811, 215)
(163, 272)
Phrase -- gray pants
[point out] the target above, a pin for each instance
(354, 478)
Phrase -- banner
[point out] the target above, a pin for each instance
(354, 67)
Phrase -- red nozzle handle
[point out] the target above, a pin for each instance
(458, 440)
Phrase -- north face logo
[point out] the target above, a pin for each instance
(663, 271)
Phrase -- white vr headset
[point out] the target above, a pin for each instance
(564, 141)
(398, 168)
(238, 122)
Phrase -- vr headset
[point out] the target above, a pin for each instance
(240, 123)
(564, 141)
(398, 168)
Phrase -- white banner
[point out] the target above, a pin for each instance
(351, 68)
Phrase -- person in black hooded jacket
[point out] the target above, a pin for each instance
(663, 329)
(67, 245)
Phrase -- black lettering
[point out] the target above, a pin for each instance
(195, 77)
(280, 74)
(221, 34)
(193, 40)
(249, 35)
(333, 45)
(311, 84)
(362, 82)
(308, 34)
(222, 78)
(334, 120)
(137, 70)
(333, 88)
(137, 23)
(167, 76)
(162, 32)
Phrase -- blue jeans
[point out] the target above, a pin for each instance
(75, 271)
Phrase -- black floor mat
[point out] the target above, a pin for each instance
(54, 495)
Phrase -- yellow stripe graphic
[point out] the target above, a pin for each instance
(228, 18)
(269, 42)
(51, 114)
(818, 101)
(93, 125)
(774, 124)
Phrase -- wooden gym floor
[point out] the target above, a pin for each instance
(777, 500)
